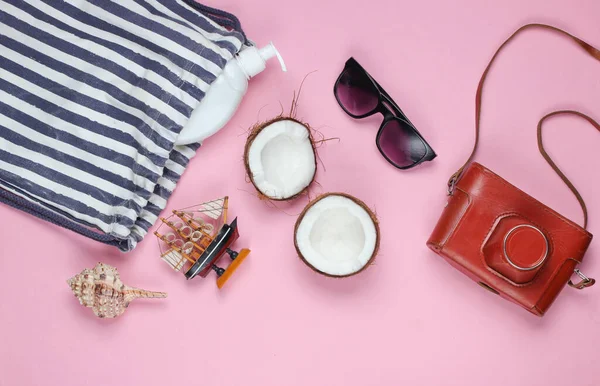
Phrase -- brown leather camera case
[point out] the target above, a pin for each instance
(486, 217)
(508, 242)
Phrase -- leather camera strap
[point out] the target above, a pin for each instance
(553, 164)
(594, 52)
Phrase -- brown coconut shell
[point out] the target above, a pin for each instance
(359, 203)
(254, 131)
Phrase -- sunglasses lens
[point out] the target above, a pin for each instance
(356, 92)
(399, 142)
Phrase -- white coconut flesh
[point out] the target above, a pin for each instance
(281, 159)
(336, 236)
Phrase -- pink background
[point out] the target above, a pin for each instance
(408, 320)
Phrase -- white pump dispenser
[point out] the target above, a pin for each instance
(226, 92)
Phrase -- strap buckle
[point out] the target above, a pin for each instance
(585, 281)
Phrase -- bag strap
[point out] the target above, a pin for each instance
(553, 164)
(594, 52)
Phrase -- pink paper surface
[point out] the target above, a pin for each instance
(410, 319)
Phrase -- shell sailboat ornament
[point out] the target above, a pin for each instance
(102, 290)
(192, 240)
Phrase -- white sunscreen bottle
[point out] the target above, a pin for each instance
(226, 92)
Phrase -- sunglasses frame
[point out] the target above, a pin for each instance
(390, 111)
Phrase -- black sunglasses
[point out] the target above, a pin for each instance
(398, 140)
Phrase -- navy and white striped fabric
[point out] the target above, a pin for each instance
(93, 94)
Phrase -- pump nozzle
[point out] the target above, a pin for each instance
(253, 60)
(268, 51)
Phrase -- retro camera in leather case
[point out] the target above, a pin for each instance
(501, 237)
(508, 242)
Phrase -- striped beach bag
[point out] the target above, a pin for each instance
(93, 94)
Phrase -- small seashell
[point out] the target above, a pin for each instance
(102, 290)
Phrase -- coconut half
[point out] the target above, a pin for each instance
(280, 158)
(337, 235)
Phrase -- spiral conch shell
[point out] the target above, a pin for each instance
(102, 290)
